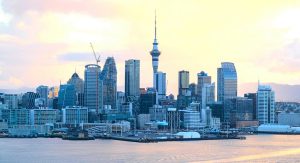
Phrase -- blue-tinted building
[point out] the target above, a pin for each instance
(109, 76)
(66, 95)
(227, 85)
(93, 93)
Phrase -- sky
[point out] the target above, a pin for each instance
(43, 42)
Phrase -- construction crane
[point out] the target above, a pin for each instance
(97, 58)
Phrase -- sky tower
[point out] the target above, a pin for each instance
(155, 52)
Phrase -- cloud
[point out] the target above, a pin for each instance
(77, 57)
(104, 8)
(283, 60)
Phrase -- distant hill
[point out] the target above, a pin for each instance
(283, 92)
(17, 91)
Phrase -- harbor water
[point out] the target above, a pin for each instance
(256, 148)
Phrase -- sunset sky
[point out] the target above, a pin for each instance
(43, 41)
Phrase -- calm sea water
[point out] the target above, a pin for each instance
(257, 148)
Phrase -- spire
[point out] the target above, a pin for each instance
(155, 26)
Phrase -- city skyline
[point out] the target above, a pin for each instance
(43, 38)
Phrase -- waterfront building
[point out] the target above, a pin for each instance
(28, 100)
(66, 95)
(142, 120)
(93, 94)
(109, 77)
(43, 92)
(191, 120)
(160, 84)
(43, 116)
(132, 80)
(11, 100)
(289, 118)
(19, 117)
(74, 115)
(158, 113)
(227, 86)
(265, 104)
(253, 96)
(173, 119)
(202, 79)
(79, 88)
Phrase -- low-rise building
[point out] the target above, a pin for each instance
(42, 116)
(74, 115)
(292, 119)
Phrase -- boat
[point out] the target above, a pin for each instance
(77, 134)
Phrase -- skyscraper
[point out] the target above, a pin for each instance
(202, 79)
(28, 100)
(43, 93)
(132, 79)
(265, 104)
(93, 98)
(208, 94)
(66, 95)
(160, 84)
(227, 86)
(155, 54)
(79, 88)
(109, 77)
(183, 82)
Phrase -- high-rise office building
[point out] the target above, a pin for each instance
(227, 86)
(155, 54)
(93, 98)
(160, 84)
(183, 82)
(208, 94)
(227, 81)
(43, 92)
(109, 77)
(241, 109)
(66, 95)
(147, 101)
(28, 100)
(132, 79)
(265, 104)
(79, 88)
(253, 96)
(202, 79)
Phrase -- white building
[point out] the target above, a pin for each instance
(208, 94)
(265, 104)
(158, 113)
(74, 115)
(42, 116)
(160, 84)
(142, 120)
(206, 116)
(191, 120)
